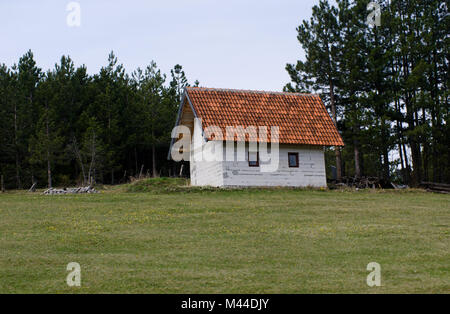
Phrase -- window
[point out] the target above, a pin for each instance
(253, 159)
(293, 160)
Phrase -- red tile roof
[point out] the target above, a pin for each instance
(301, 118)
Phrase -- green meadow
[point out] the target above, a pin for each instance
(161, 236)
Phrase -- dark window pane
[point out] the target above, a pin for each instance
(253, 159)
(293, 159)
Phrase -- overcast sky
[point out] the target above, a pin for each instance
(229, 43)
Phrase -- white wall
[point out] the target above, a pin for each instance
(311, 170)
(204, 172)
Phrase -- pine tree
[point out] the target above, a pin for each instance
(151, 92)
(46, 142)
(320, 71)
(25, 111)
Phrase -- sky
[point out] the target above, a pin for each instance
(242, 44)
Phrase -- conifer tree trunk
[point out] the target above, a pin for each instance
(357, 159)
(154, 173)
(385, 151)
(49, 169)
(337, 149)
(16, 147)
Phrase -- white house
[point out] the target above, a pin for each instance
(253, 138)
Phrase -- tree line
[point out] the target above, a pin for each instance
(65, 127)
(386, 86)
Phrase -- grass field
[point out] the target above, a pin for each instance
(156, 237)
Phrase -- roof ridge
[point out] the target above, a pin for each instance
(250, 91)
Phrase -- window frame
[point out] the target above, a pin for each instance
(297, 164)
(257, 159)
